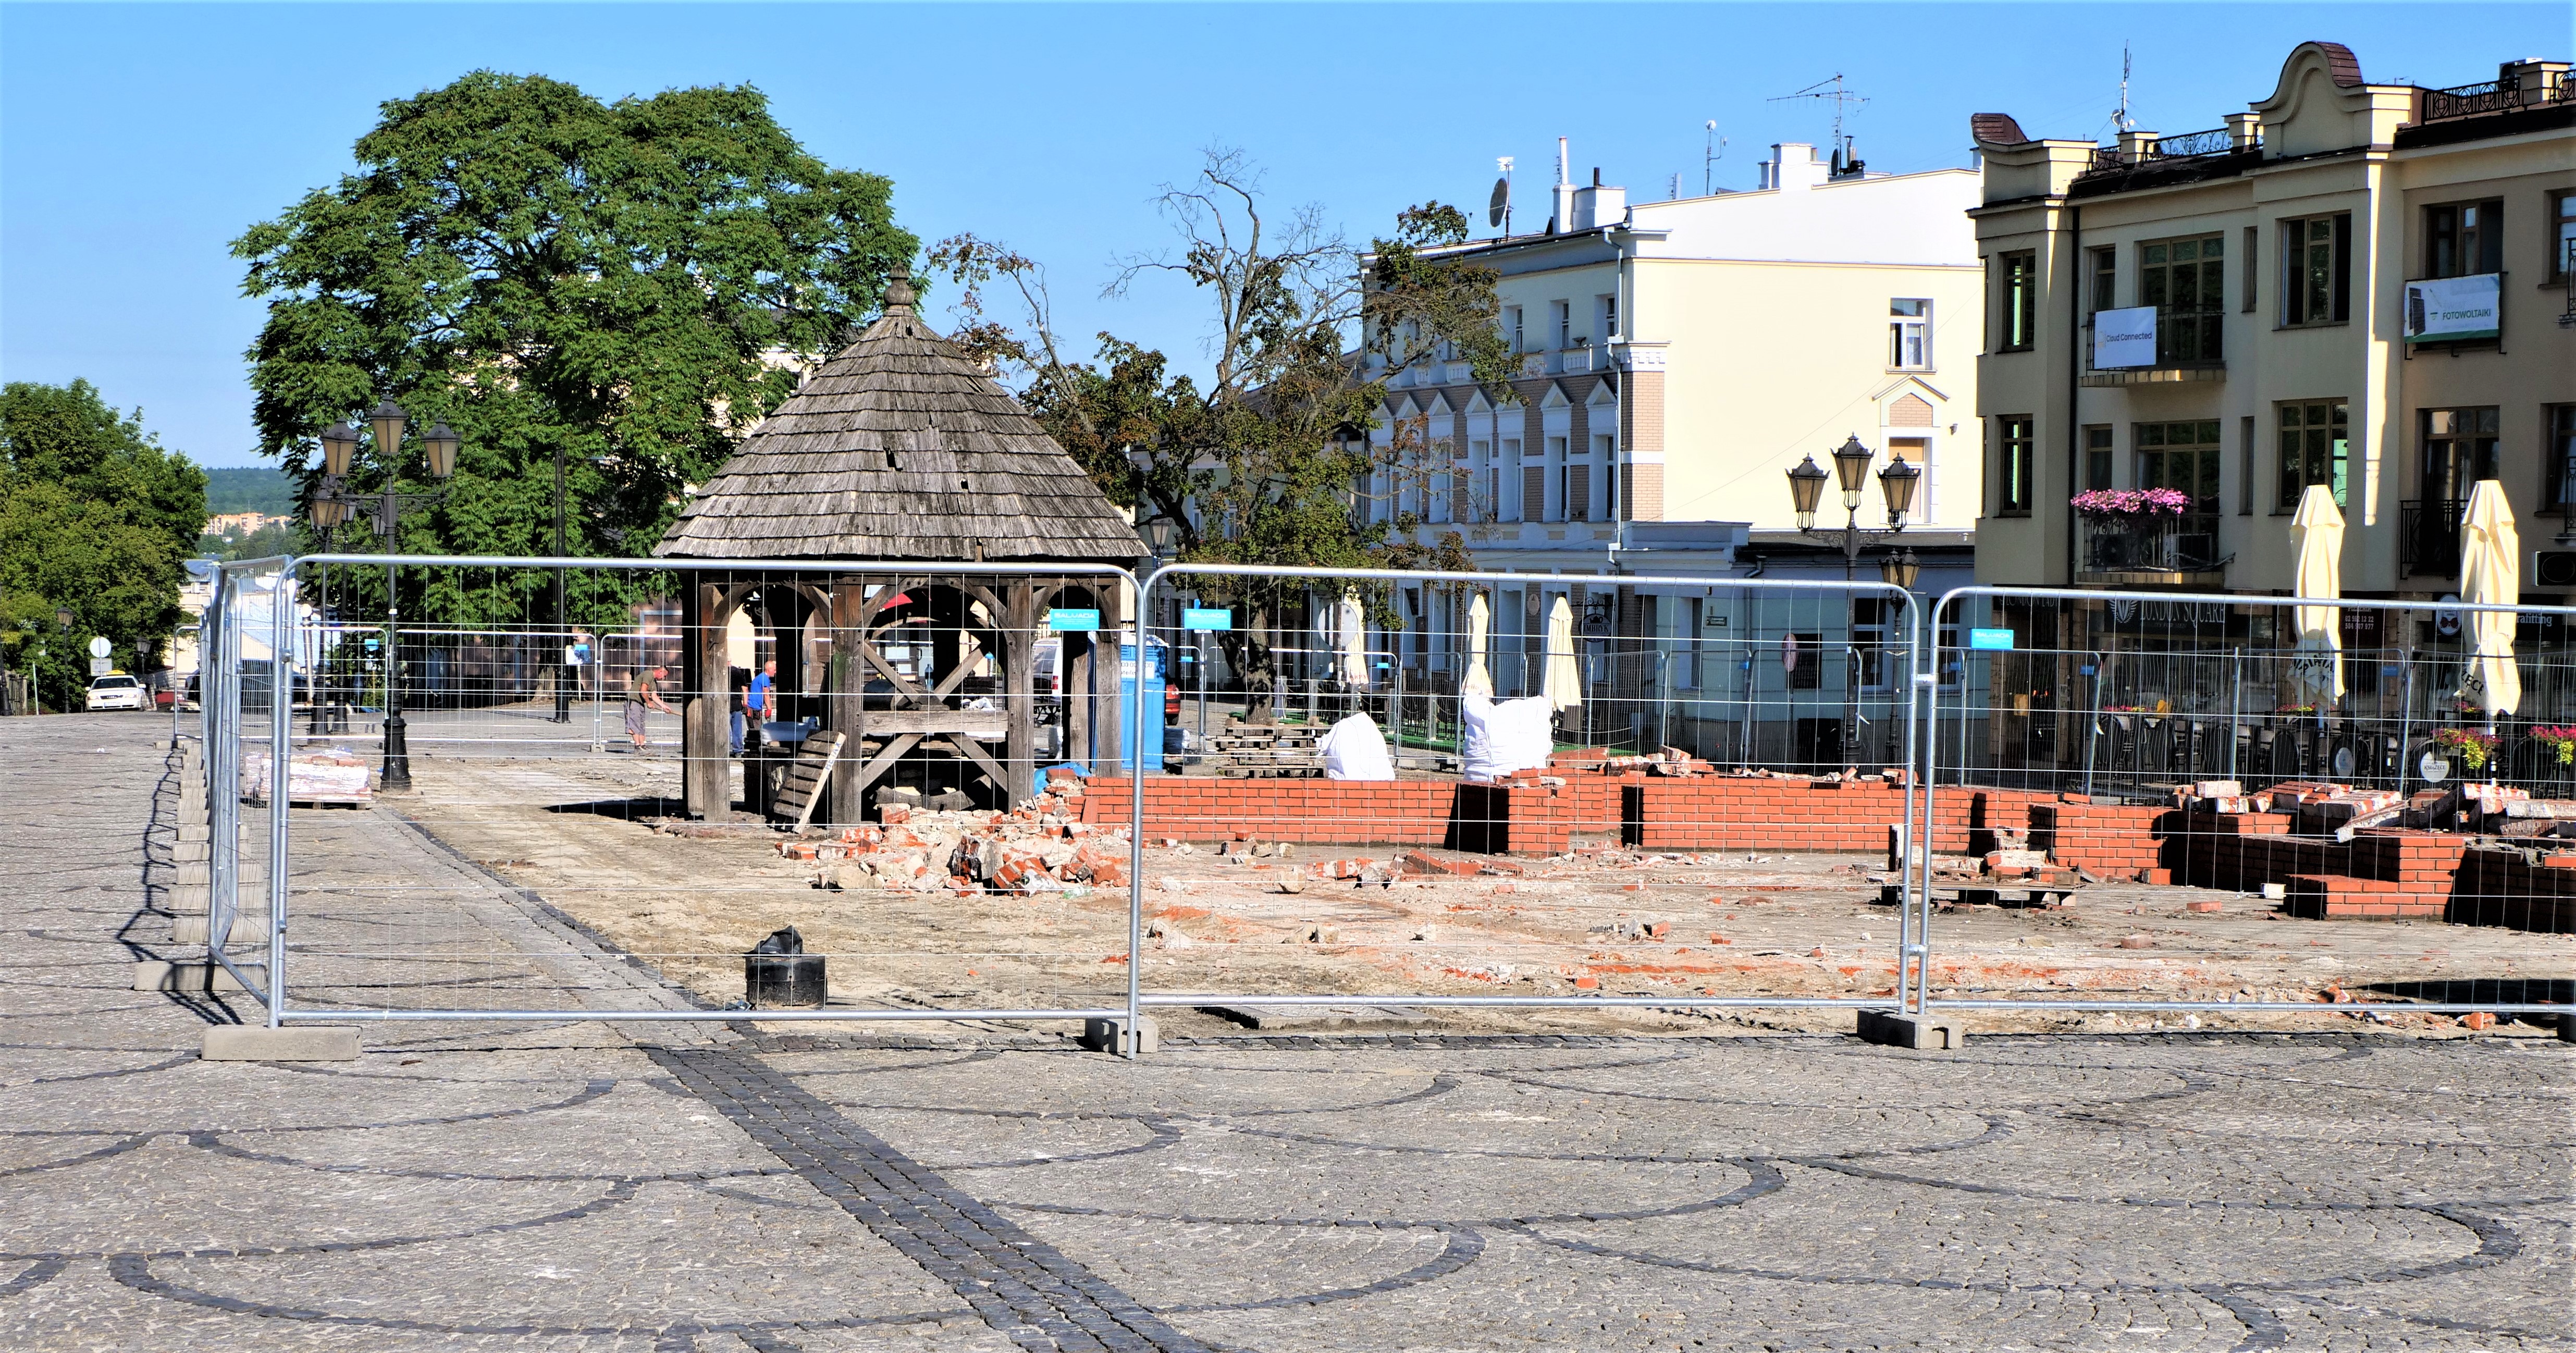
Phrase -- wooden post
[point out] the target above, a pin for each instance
(845, 795)
(1073, 666)
(1019, 641)
(1109, 754)
(706, 790)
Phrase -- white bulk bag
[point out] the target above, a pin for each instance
(1498, 737)
(1355, 750)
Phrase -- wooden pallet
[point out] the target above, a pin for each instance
(1960, 895)
(806, 776)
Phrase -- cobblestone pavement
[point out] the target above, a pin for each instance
(669, 1187)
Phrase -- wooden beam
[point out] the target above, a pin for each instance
(973, 723)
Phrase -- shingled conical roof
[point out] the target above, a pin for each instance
(900, 447)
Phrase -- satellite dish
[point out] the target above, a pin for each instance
(1501, 201)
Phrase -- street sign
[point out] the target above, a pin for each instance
(98, 647)
(1207, 618)
(1998, 639)
(1061, 618)
(100, 667)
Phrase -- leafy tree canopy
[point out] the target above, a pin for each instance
(95, 517)
(633, 283)
(1269, 460)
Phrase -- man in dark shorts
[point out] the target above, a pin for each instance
(647, 694)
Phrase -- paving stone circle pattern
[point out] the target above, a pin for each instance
(719, 1187)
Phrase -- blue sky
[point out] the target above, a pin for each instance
(136, 141)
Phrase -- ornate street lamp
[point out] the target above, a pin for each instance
(333, 504)
(1900, 570)
(1806, 488)
(1896, 484)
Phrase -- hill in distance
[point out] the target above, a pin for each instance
(251, 489)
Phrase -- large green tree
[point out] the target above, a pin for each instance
(632, 283)
(95, 519)
(1269, 458)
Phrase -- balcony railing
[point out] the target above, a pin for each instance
(2496, 96)
(2150, 544)
(2428, 537)
(2179, 146)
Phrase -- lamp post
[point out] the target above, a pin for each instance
(385, 508)
(1851, 467)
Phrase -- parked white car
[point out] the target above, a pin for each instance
(116, 690)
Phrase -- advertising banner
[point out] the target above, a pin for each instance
(2124, 339)
(2449, 309)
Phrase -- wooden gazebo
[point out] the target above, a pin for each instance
(901, 449)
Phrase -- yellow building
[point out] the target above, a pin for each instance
(2359, 285)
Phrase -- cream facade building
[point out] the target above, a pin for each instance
(1675, 360)
(2227, 313)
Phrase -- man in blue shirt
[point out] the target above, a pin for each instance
(756, 701)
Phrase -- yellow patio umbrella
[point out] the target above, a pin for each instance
(1480, 623)
(2489, 576)
(2316, 544)
(1562, 682)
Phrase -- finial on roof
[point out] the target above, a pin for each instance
(898, 290)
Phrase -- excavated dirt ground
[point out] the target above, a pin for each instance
(576, 831)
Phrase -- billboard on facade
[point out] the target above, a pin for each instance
(2449, 309)
(2124, 338)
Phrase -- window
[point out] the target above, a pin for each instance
(1809, 675)
(2314, 449)
(1909, 335)
(2180, 456)
(2097, 458)
(1869, 630)
(2463, 239)
(1564, 315)
(2012, 465)
(1578, 491)
(2459, 450)
(2562, 235)
(1519, 508)
(1512, 329)
(2102, 291)
(2245, 466)
(2558, 461)
(1609, 318)
(1561, 508)
(1605, 453)
(2186, 281)
(2316, 270)
(2248, 255)
(2016, 301)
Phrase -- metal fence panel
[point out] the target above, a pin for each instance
(1727, 767)
(2259, 805)
(562, 791)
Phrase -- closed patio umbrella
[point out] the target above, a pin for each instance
(1476, 680)
(2490, 576)
(1354, 643)
(2316, 543)
(1562, 682)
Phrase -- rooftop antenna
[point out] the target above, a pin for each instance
(2120, 120)
(1831, 90)
(1498, 210)
(1714, 151)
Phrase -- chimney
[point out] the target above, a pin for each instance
(1599, 205)
(2244, 130)
(1793, 166)
(1564, 218)
(2136, 146)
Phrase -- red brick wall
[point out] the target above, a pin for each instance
(2113, 841)
(1196, 808)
